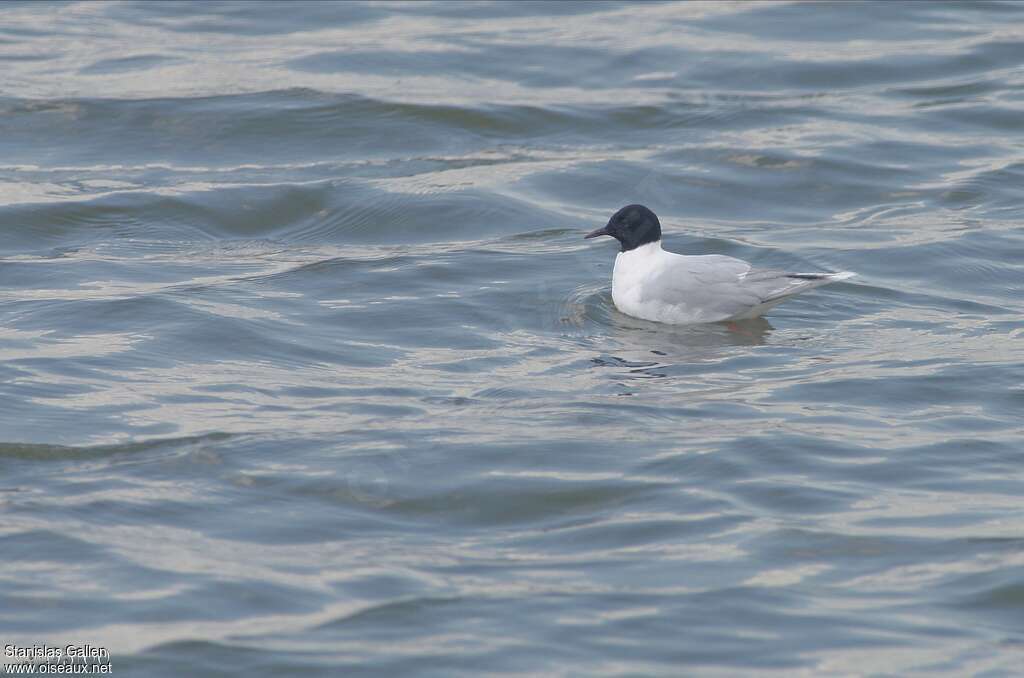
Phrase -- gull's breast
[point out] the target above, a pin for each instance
(634, 287)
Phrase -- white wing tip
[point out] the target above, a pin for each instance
(843, 275)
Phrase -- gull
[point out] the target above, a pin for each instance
(653, 284)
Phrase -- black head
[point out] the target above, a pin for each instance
(632, 226)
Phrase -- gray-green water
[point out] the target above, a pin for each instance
(306, 369)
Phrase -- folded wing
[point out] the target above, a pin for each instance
(716, 287)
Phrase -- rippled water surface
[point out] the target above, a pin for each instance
(306, 369)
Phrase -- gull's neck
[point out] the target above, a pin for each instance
(644, 251)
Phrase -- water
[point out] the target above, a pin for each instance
(306, 368)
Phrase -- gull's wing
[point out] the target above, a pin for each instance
(717, 287)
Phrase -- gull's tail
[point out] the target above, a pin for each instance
(786, 285)
(774, 287)
(828, 277)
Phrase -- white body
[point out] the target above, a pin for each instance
(653, 284)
